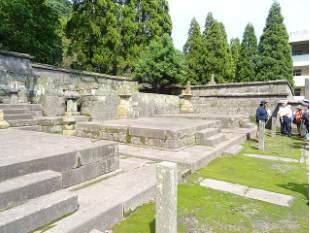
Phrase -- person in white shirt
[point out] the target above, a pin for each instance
(285, 114)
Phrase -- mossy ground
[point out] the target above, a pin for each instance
(202, 209)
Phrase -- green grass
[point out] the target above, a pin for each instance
(202, 209)
(278, 146)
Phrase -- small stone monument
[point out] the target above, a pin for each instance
(124, 110)
(261, 139)
(187, 94)
(3, 124)
(14, 95)
(212, 82)
(69, 122)
(273, 126)
(72, 96)
(166, 197)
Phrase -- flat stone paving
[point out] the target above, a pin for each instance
(270, 157)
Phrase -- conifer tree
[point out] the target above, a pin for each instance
(245, 66)
(193, 50)
(216, 52)
(128, 50)
(92, 30)
(275, 56)
(235, 53)
(164, 19)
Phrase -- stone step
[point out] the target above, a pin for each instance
(37, 128)
(95, 231)
(244, 121)
(8, 117)
(206, 133)
(15, 111)
(235, 149)
(24, 122)
(249, 125)
(38, 212)
(24, 188)
(81, 118)
(14, 106)
(214, 140)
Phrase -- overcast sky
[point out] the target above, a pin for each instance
(235, 14)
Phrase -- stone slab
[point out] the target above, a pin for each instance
(38, 212)
(234, 150)
(24, 152)
(27, 187)
(95, 231)
(270, 157)
(23, 122)
(213, 140)
(249, 192)
(22, 116)
(37, 128)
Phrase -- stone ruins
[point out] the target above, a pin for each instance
(64, 135)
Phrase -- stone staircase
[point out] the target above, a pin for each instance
(21, 114)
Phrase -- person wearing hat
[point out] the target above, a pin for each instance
(284, 114)
(261, 115)
(298, 119)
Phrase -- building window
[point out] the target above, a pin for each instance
(296, 52)
(297, 91)
(297, 72)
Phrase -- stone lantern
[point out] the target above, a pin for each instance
(124, 110)
(3, 124)
(72, 96)
(69, 122)
(187, 94)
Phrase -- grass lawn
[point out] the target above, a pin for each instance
(202, 209)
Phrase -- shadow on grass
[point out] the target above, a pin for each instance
(298, 188)
(152, 226)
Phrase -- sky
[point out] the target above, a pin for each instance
(235, 15)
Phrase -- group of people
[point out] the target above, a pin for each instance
(287, 117)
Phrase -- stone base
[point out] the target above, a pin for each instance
(187, 106)
(74, 113)
(69, 132)
(4, 125)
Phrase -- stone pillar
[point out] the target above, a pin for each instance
(261, 140)
(307, 88)
(124, 110)
(3, 124)
(166, 197)
(212, 82)
(14, 96)
(187, 94)
(273, 126)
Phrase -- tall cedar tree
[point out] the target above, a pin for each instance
(161, 65)
(235, 54)
(63, 7)
(275, 55)
(28, 26)
(164, 19)
(246, 63)
(92, 30)
(193, 51)
(128, 50)
(216, 52)
(147, 22)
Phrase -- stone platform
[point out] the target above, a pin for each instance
(226, 121)
(77, 159)
(163, 133)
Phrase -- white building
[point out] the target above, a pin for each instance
(300, 53)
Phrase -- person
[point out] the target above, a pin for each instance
(284, 114)
(290, 116)
(261, 115)
(305, 126)
(298, 119)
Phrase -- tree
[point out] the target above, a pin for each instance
(193, 50)
(92, 30)
(128, 50)
(160, 65)
(164, 19)
(275, 56)
(235, 54)
(245, 66)
(216, 52)
(63, 7)
(28, 26)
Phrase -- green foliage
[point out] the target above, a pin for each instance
(63, 7)
(235, 53)
(28, 26)
(160, 64)
(193, 50)
(216, 52)
(164, 19)
(92, 30)
(275, 56)
(245, 68)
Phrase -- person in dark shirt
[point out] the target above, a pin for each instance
(261, 115)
